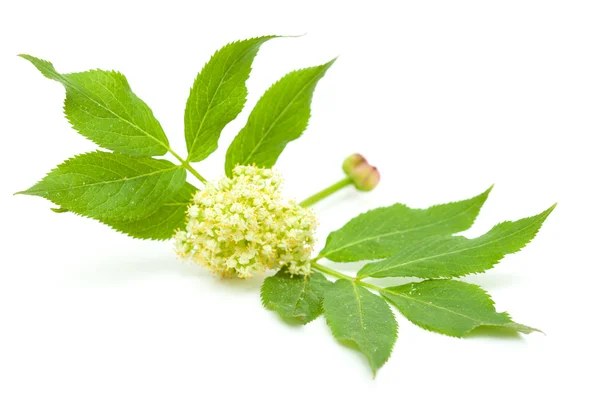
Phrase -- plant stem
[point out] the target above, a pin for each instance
(339, 275)
(187, 166)
(326, 192)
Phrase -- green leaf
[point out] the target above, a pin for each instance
(382, 232)
(218, 95)
(295, 298)
(111, 185)
(162, 223)
(280, 116)
(101, 106)
(361, 318)
(450, 307)
(454, 256)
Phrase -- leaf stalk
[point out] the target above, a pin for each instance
(339, 275)
(328, 191)
(187, 166)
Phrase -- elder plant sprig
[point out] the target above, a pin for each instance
(242, 225)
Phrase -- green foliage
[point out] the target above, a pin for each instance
(163, 222)
(454, 256)
(280, 116)
(147, 198)
(111, 185)
(295, 298)
(361, 318)
(218, 96)
(450, 307)
(379, 233)
(160, 224)
(101, 106)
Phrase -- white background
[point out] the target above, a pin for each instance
(444, 97)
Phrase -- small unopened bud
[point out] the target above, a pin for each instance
(351, 162)
(364, 176)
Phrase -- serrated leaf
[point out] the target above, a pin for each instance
(162, 223)
(218, 95)
(382, 232)
(449, 307)
(101, 106)
(295, 298)
(111, 185)
(280, 116)
(453, 256)
(362, 318)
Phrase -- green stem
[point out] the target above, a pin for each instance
(326, 192)
(339, 275)
(187, 166)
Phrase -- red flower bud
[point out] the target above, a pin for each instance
(364, 176)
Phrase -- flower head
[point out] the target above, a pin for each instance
(243, 226)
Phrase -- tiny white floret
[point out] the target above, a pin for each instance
(242, 226)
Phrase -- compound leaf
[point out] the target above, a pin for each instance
(280, 116)
(361, 318)
(382, 232)
(111, 185)
(454, 256)
(101, 106)
(449, 307)
(218, 95)
(162, 223)
(295, 298)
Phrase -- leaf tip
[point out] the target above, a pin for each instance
(328, 64)
(538, 331)
(28, 57)
(45, 67)
(525, 329)
(544, 214)
(486, 193)
(292, 36)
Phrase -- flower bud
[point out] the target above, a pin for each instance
(364, 176)
(351, 162)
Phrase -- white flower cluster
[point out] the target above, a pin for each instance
(243, 226)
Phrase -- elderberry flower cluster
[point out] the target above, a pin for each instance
(243, 226)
